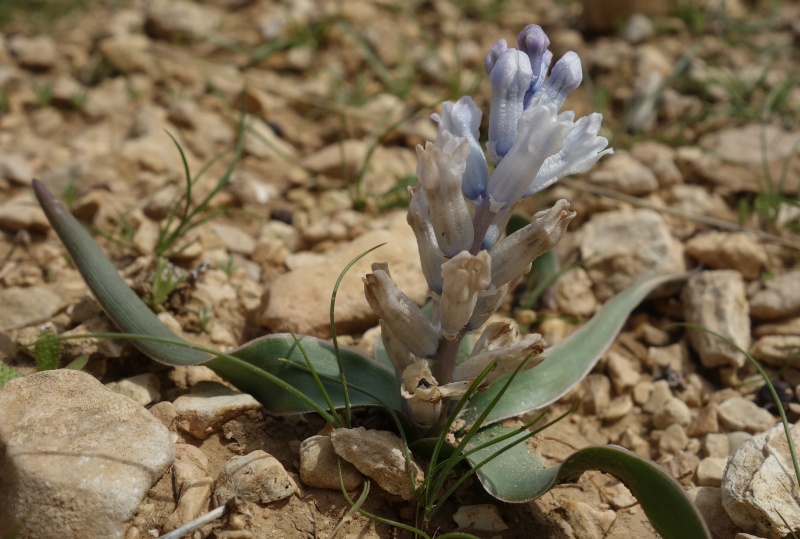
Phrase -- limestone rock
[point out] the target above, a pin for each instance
(300, 300)
(776, 350)
(759, 489)
(574, 295)
(25, 306)
(74, 454)
(319, 465)
(257, 477)
(673, 412)
(660, 159)
(716, 300)
(578, 520)
(738, 413)
(483, 517)
(34, 53)
(176, 19)
(378, 455)
(23, 213)
(621, 172)
(710, 471)
(192, 485)
(142, 388)
(779, 298)
(620, 246)
(708, 501)
(209, 406)
(729, 250)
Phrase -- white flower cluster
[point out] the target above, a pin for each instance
(460, 209)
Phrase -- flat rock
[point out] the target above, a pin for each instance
(26, 306)
(209, 406)
(776, 350)
(739, 251)
(77, 456)
(621, 172)
(192, 485)
(179, 19)
(660, 159)
(710, 471)
(257, 477)
(574, 295)
(716, 300)
(738, 413)
(35, 53)
(759, 489)
(23, 213)
(16, 168)
(779, 298)
(300, 300)
(234, 239)
(620, 246)
(319, 465)
(708, 501)
(379, 455)
(142, 388)
(578, 520)
(483, 517)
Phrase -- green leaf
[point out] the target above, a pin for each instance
(47, 351)
(274, 354)
(7, 373)
(78, 363)
(518, 475)
(569, 361)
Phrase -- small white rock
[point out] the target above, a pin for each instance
(143, 388)
(319, 465)
(209, 406)
(484, 517)
(257, 477)
(738, 413)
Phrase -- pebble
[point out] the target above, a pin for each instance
(578, 520)
(597, 395)
(706, 422)
(738, 251)
(192, 486)
(638, 28)
(66, 437)
(16, 168)
(142, 388)
(573, 293)
(257, 477)
(319, 465)
(708, 501)
(759, 488)
(618, 408)
(710, 470)
(23, 213)
(659, 158)
(621, 172)
(300, 300)
(622, 372)
(483, 517)
(35, 53)
(717, 445)
(779, 298)
(26, 306)
(660, 393)
(179, 19)
(776, 350)
(234, 239)
(673, 412)
(620, 246)
(738, 413)
(672, 440)
(378, 455)
(682, 466)
(716, 300)
(209, 406)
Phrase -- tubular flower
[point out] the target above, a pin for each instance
(459, 212)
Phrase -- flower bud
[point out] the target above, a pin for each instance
(512, 256)
(440, 171)
(465, 276)
(463, 119)
(403, 317)
(511, 77)
(488, 302)
(566, 75)
(534, 42)
(494, 53)
(398, 354)
(430, 256)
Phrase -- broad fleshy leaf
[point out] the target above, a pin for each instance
(518, 475)
(568, 362)
(271, 354)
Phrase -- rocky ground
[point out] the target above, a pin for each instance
(701, 104)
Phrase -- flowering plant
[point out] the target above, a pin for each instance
(458, 213)
(468, 268)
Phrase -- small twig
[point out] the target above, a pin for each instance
(201, 521)
(712, 221)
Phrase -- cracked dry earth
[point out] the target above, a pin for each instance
(700, 102)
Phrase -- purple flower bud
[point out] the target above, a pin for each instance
(465, 276)
(511, 78)
(403, 317)
(440, 171)
(566, 75)
(534, 42)
(463, 119)
(494, 53)
(512, 256)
